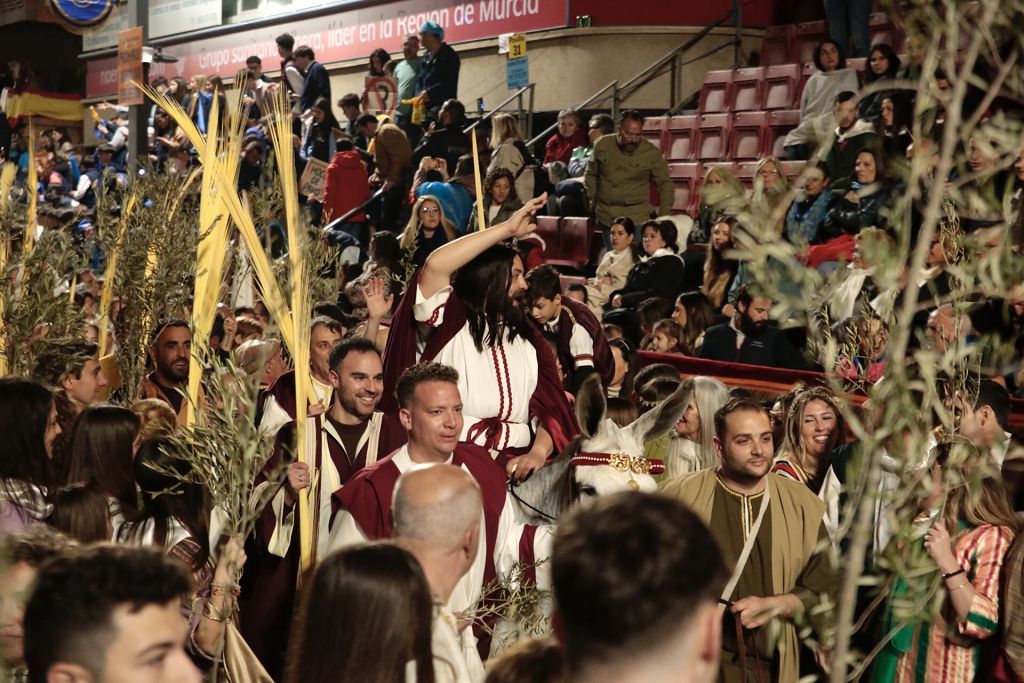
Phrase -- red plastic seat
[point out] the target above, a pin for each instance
(548, 229)
(749, 131)
(576, 232)
(713, 136)
(745, 172)
(714, 94)
(778, 44)
(883, 30)
(681, 133)
(780, 86)
(747, 86)
(685, 178)
(779, 123)
(793, 169)
(858, 64)
(654, 131)
(807, 70)
(808, 35)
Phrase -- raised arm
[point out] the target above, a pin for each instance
(438, 269)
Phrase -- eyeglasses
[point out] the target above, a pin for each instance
(429, 209)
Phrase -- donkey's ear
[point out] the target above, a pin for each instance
(658, 421)
(591, 406)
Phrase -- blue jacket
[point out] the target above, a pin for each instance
(316, 85)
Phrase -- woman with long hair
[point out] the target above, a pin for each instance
(621, 385)
(818, 99)
(693, 439)
(319, 142)
(615, 265)
(814, 427)
(694, 313)
(721, 192)
(719, 271)
(426, 230)
(174, 516)
(28, 421)
(500, 199)
(508, 150)
(102, 449)
(883, 65)
(771, 192)
(376, 594)
(966, 522)
(378, 59)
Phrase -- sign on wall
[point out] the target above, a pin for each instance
(350, 34)
(381, 95)
(167, 17)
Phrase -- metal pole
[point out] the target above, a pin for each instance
(615, 100)
(673, 89)
(529, 119)
(737, 10)
(138, 116)
(520, 117)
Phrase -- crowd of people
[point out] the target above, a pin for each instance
(455, 366)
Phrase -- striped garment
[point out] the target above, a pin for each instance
(942, 652)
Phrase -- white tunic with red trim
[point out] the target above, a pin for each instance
(498, 382)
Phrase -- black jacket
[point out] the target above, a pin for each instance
(660, 276)
(848, 218)
(448, 142)
(770, 349)
(439, 76)
(316, 85)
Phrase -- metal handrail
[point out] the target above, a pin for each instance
(497, 109)
(582, 105)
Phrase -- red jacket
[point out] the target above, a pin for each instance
(346, 186)
(559, 148)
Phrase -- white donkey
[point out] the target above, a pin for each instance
(605, 458)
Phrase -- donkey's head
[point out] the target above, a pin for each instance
(611, 458)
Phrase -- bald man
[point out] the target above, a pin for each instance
(438, 513)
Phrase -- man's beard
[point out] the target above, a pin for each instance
(171, 373)
(354, 407)
(751, 328)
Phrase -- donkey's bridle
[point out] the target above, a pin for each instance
(620, 462)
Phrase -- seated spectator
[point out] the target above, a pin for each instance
(719, 270)
(863, 356)
(749, 339)
(445, 139)
(566, 139)
(347, 186)
(818, 98)
(850, 137)
(858, 288)
(600, 124)
(612, 331)
(981, 197)
(575, 290)
(695, 314)
(721, 193)
(499, 200)
(427, 230)
(658, 273)
(809, 208)
(666, 337)
(615, 265)
(123, 628)
(771, 190)
(509, 151)
(648, 313)
(894, 127)
(883, 65)
(621, 385)
(456, 193)
(865, 204)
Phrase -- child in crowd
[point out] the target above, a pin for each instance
(667, 334)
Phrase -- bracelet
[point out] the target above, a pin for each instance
(962, 585)
(950, 575)
(214, 614)
(225, 588)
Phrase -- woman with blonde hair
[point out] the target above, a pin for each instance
(814, 427)
(721, 192)
(967, 523)
(509, 151)
(156, 419)
(769, 201)
(427, 230)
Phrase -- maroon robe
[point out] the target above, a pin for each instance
(267, 600)
(576, 313)
(548, 403)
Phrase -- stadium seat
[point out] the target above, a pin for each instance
(805, 74)
(883, 31)
(685, 177)
(714, 94)
(744, 170)
(749, 133)
(780, 123)
(747, 85)
(713, 136)
(548, 230)
(808, 35)
(576, 232)
(778, 45)
(681, 132)
(858, 64)
(654, 131)
(566, 280)
(793, 169)
(780, 86)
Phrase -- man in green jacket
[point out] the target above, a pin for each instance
(619, 175)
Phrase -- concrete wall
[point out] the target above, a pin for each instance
(569, 65)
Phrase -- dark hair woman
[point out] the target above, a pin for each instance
(621, 385)
(694, 313)
(378, 60)
(818, 98)
(719, 271)
(883, 64)
(319, 142)
(102, 446)
(378, 596)
(500, 200)
(28, 421)
(615, 264)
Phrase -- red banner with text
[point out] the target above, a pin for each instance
(349, 34)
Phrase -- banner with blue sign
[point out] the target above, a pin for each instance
(83, 13)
